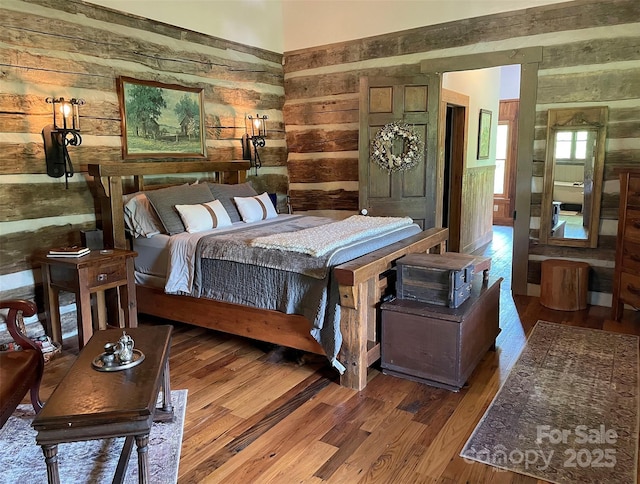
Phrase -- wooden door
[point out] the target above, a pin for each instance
(411, 193)
(504, 200)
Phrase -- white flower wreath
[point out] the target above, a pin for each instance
(382, 146)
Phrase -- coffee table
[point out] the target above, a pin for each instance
(89, 404)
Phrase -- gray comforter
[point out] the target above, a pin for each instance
(227, 268)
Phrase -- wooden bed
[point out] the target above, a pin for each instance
(362, 281)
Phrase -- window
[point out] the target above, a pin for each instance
(502, 143)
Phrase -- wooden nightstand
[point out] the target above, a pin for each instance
(91, 274)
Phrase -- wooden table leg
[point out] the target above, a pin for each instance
(166, 389)
(128, 297)
(51, 306)
(83, 308)
(165, 413)
(123, 461)
(51, 458)
(142, 442)
(101, 310)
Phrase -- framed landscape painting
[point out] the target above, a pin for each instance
(161, 120)
(484, 134)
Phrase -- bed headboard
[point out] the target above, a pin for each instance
(109, 179)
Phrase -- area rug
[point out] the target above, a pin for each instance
(568, 410)
(21, 459)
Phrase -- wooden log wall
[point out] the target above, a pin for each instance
(75, 49)
(591, 72)
(591, 57)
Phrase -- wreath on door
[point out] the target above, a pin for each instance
(382, 147)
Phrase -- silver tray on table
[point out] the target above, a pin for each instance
(99, 364)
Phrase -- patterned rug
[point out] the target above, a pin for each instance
(21, 460)
(568, 410)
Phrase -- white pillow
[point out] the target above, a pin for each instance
(255, 208)
(203, 216)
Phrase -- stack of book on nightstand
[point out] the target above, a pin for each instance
(70, 251)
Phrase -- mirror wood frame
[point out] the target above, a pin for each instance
(589, 118)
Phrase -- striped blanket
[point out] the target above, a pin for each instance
(318, 241)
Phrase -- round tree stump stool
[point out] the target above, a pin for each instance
(564, 284)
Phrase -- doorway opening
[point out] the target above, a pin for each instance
(471, 207)
(455, 106)
(528, 60)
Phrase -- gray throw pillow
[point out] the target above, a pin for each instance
(164, 201)
(225, 194)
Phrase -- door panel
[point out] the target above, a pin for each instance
(414, 182)
(379, 187)
(381, 100)
(409, 193)
(504, 203)
(415, 99)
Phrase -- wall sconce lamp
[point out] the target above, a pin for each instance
(64, 131)
(257, 138)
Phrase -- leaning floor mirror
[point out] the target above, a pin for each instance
(574, 168)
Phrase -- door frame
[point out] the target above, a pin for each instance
(529, 59)
(460, 103)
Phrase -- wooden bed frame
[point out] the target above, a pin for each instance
(362, 281)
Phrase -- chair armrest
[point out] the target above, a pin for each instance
(27, 308)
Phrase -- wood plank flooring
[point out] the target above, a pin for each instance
(261, 414)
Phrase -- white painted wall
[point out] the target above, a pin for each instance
(286, 25)
(483, 88)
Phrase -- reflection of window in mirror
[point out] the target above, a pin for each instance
(573, 177)
(573, 182)
(571, 146)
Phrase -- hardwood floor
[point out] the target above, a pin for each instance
(262, 414)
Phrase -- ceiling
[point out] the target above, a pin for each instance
(286, 25)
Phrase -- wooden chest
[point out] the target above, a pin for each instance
(443, 279)
(438, 345)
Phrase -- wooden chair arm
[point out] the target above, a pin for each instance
(27, 378)
(27, 308)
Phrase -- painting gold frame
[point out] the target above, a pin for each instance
(484, 134)
(160, 120)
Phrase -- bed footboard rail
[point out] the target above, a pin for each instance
(362, 282)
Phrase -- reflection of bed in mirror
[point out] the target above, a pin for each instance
(568, 192)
